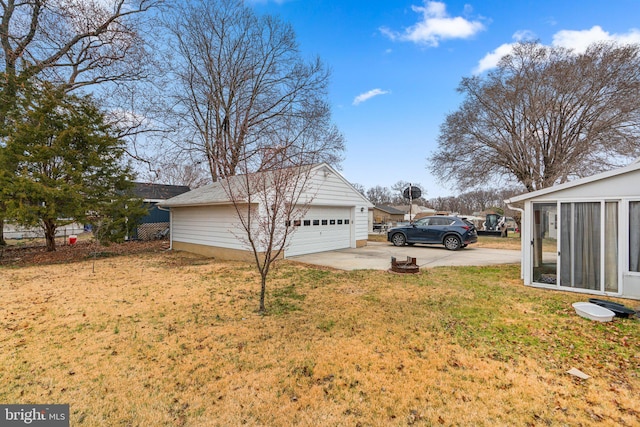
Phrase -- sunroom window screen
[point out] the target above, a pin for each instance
(580, 245)
(611, 246)
(634, 236)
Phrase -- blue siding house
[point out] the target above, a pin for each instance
(156, 222)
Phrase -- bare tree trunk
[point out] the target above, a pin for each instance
(50, 234)
(2, 241)
(263, 291)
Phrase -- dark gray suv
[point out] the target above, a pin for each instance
(451, 231)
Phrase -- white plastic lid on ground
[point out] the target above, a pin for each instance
(593, 311)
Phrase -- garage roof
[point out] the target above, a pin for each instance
(216, 193)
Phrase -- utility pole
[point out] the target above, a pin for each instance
(410, 203)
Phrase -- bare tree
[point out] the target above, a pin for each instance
(270, 195)
(379, 195)
(241, 85)
(256, 113)
(475, 201)
(269, 206)
(447, 204)
(544, 116)
(75, 43)
(174, 169)
(480, 200)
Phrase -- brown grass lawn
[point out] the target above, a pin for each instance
(170, 339)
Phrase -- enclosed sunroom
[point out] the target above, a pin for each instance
(584, 236)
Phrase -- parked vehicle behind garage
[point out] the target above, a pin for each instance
(451, 231)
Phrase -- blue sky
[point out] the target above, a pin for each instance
(396, 65)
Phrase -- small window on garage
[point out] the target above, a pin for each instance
(325, 222)
(307, 222)
(296, 223)
(332, 222)
(316, 222)
(339, 222)
(346, 221)
(287, 223)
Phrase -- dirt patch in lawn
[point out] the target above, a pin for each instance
(37, 254)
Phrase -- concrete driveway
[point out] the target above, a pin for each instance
(377, 256)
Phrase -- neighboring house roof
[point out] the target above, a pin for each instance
(576, 183)
(157, 192)
(216, 193)
(389, 209)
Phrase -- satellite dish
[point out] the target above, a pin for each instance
(415, 192)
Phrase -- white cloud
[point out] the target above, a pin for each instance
(580, 40)
(491, 59)
(368, 95)
(125, 119)
(524, 35)
(436, 25)
(576, 40)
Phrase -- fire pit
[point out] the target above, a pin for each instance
(408, 266)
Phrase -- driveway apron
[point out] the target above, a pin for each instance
(377, 256)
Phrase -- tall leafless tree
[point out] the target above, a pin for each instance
(544, 116)
(74, 44)
(241, 85)
(256, 113)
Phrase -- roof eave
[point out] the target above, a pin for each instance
(578, 182)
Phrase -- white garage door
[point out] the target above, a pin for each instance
(322, 229)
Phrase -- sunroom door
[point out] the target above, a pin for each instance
(589, 246)
(544, 243)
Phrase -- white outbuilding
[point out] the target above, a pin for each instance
(335, 216)
(584, 235)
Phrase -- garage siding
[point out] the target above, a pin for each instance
(362, 224)
(332, 190)
(339, 212)
(206, 225)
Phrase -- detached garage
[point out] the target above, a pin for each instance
(335, 216)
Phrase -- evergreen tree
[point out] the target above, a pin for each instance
(61, 163)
